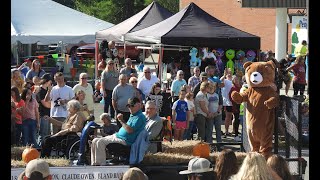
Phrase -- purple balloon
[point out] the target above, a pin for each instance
(251, 55)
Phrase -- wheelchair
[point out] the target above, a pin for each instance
(73, 145)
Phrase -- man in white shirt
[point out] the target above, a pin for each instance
(146, 82)
(59, 95)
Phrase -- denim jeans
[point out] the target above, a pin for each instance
(108, 103)
(18, 135)
(29, 131)
(209, 130)
(200, 121)
(188, 133)
(217, 121)
(44, 130)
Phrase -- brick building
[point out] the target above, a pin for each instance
(258, 21)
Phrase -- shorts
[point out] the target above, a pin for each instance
(228, 108)
(181, 124)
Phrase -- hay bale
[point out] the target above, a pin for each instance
(179, 147)
(16, 152)
(53, 162)
(163, 158)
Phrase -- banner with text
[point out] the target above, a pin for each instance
(82, 172)
(299, 31)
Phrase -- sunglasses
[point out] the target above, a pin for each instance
(134, 81)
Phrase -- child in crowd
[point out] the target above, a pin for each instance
(192, 126)
(108, 128)
(35, 87)
(97, 95)
(180, 116)
(215, 120)
(80, 96)
(236, 86)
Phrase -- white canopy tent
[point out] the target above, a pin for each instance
(49, 22)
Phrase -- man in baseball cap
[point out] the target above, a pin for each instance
(197, 167)
(36, 169)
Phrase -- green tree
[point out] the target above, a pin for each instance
(171, 5)
(115, 11)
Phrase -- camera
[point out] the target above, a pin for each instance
(56, 102)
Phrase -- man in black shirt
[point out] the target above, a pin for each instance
(44, 106)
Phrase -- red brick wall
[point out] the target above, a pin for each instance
(257, 21)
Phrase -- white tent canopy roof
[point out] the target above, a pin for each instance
(49, 22)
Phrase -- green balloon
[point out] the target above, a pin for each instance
(54, 56)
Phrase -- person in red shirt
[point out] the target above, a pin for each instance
(19, 104)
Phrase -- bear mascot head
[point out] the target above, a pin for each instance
(260, 99)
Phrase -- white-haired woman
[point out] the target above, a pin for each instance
(254, 167)
(73, 124)
(177, 84)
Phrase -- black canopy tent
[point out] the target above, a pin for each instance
(150, 15)
(192, 26)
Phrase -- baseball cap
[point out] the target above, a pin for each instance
(203, 74)
(37, 165)
(133, 101)
(27, 60)
(198, 165)
(47, 77)
(134, 173)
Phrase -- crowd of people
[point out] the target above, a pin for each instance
(196, 105)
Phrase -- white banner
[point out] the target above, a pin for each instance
(81, 172)
(299, 31)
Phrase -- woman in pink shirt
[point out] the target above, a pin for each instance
(30, 118)
(19, 104)
(299, 78)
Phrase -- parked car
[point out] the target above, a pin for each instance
(70, 48)
(88, 51)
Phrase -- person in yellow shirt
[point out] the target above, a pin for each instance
(301, 50)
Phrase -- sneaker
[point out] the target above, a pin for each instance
(237, 139)
(225, 135)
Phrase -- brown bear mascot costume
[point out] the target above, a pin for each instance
(261, 99)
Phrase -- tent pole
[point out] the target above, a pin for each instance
(124, 46)
(17, 52)
(160, 64)
(96, 60)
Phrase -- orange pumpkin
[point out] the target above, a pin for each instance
(30, 153)
(202, 150)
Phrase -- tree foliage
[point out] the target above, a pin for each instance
(115, 11)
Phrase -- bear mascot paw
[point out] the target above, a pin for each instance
(260, 99)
